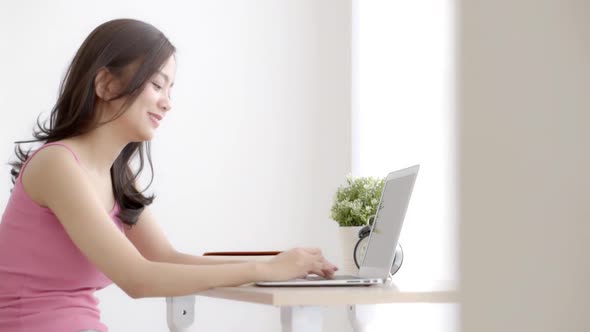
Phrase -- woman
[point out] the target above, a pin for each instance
(76, 222)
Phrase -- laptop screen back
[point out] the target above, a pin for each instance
(388, 223)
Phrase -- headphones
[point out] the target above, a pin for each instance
(361, 248)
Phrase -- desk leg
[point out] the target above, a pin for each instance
(301, 319)
(360, 316)
(180, 312)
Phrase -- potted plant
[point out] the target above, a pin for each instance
(355, 204)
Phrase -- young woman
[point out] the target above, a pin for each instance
(76, 221)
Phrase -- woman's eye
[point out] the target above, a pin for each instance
(156, 86)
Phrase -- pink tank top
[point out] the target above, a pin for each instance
(46, 283)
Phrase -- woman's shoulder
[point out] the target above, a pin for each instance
(49, 161)
(54, 153)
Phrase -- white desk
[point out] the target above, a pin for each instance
(301, 306)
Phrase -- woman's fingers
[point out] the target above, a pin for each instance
(323, 268)
(315, 262)
(318, 269)
(327, 269)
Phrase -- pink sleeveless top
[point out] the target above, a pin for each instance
(46, 283)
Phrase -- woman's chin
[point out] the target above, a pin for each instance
(145, 136)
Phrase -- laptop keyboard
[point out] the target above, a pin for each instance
(338, 277)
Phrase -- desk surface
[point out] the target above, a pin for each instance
(397, 292)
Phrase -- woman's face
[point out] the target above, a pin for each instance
(147, 112)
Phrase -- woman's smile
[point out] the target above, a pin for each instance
(155, 118)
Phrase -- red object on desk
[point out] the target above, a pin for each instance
(242, 253)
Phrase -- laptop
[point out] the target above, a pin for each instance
(376, 265)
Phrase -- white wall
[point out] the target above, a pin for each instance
(403, 111)
(257, 142)
(523, 165)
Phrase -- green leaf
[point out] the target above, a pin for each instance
(357, 200)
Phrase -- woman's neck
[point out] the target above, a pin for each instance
(98, 149)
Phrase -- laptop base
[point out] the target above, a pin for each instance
(319, 281)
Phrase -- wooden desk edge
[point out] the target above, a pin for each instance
(280, 296)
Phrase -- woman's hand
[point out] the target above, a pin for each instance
(298, 263)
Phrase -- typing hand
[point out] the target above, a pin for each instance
(299, 262)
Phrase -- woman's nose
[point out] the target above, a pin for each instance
(165, 104)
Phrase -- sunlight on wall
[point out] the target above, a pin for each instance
(403, 114)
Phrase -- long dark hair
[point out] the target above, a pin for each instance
(113, 45)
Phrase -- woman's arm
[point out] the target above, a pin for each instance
(73, 200)
(169, 279)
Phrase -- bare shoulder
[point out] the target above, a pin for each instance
(49, 163)
(64, 187)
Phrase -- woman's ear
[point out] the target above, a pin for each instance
(105, 85)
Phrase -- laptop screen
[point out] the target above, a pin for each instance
(388, 223)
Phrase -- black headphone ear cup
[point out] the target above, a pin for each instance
(364, 232)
